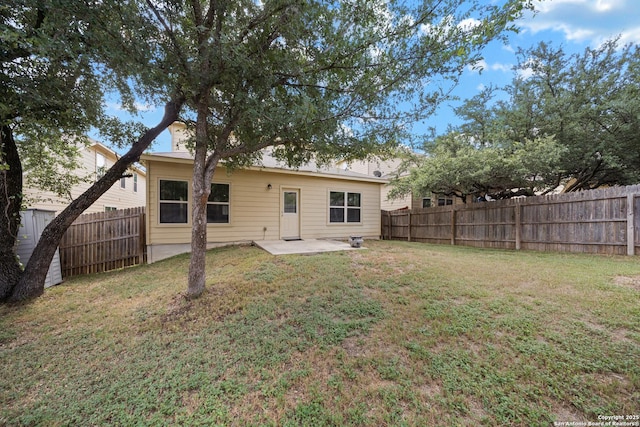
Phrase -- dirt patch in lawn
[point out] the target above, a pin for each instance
(632, 282)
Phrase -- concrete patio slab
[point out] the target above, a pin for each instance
(307, 246)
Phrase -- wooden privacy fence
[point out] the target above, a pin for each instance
(605, 221)
(104, 241)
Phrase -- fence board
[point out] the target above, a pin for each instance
(603, 221)
(103, 241)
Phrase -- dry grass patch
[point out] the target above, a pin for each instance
(399, 334)
(629, 282)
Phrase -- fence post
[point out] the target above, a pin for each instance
(631, 244)
(453, 225)
(518, 208)
(409, 229)
(383, 226)
(143, 237)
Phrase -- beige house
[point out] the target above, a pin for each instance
(263, 202)
(128, 192)
(384, 169)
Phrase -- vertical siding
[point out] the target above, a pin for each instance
(255, 209)
(33, 222)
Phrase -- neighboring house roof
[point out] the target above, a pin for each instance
(271, 164)
(99, 147)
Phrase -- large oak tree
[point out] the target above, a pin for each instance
(568, 121)
(57, 59)
(322, 79)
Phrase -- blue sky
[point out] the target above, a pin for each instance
(572, 24)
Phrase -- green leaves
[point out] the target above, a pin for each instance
(570, 120)
(298, 74)
(589, 103)
(57, 60)
(458, 166)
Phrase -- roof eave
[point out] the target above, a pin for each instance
(326, 174)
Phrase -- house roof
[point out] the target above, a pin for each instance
(270, 164)
(98, 146)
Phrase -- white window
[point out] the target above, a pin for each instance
(135, 182)
(426, 202)
(101, 165)
(218, 204)
(110, 208)
(123, 182)
(344, 207)
(173, 201)
(445, 201)
(290, 202)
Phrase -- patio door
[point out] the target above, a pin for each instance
(290, 214)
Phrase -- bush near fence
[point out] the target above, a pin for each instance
(104, 241)
(605, 221)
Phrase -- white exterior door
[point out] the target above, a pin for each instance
(290, 214)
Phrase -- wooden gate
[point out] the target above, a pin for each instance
(104, 241)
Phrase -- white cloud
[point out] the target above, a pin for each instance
(586, 21)
(446, 24)
(525, 73)
(478, 66)
(630, 36)
(482, 65)
(607, 5)
(138, 105)
(600, 6)
(501, 67)
(469, 24)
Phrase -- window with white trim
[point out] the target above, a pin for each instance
(135, 182)
(445, 201)
(426, 202)
(123, 182)
(218, 204)
(344, 207)
(290, 202)
(173, 201)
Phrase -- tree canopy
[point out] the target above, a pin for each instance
(321, 79)
(57, 59)
(568, 120)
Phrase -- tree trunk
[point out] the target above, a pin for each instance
(31, 282)
(196, 281)
(203, 170)
(10, 203)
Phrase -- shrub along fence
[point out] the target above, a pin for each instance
(104, 241)
(605, 221)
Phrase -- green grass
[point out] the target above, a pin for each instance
(397, 334)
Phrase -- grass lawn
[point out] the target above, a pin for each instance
(397, 334)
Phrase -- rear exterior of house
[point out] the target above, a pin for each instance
(260, 203)
(384, 168)
(128, 192)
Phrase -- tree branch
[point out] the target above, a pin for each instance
(31, 283)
